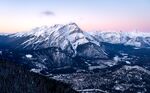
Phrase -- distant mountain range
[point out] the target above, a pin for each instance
(137, 39)
(70, 36)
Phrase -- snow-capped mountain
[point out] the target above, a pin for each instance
(67, 36)
(55, 47)
(137, 39)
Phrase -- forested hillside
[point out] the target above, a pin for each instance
(15, 79)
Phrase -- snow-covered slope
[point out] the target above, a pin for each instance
(69, 36)
(138, 39)
(62, 36)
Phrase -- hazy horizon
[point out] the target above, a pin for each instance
(90, 15)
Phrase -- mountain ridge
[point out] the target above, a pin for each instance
(57, 36)
(136, 39)
(60, 35)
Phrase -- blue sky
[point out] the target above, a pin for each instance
(127, 15)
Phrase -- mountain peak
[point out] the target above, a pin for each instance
(55, 28)
(72, 23)
(63, 36)
(72, 27)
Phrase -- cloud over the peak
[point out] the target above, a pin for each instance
(48, 13)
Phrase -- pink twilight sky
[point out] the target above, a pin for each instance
(90, 15)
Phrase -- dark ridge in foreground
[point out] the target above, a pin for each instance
(15, 79)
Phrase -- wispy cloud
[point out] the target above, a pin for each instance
(48, 13)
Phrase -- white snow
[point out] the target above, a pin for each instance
(133, 38)
(35, 70)
(128, 62)
(70, 35)
(110, 63)
(117, 58)
(39, 65)
(91, 91)
(119, 87)
(97, 67)
(124, 54)
(29, 56)
(136, 48)
(62, 35)
(1, 52)
(56, 36)
(40, 68)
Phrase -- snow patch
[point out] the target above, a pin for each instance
(97, 67)
(1, 52)
(92, 91)
(35, 70)
(128, 62)
(117, 58)
(119, 87)
(29, 56)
